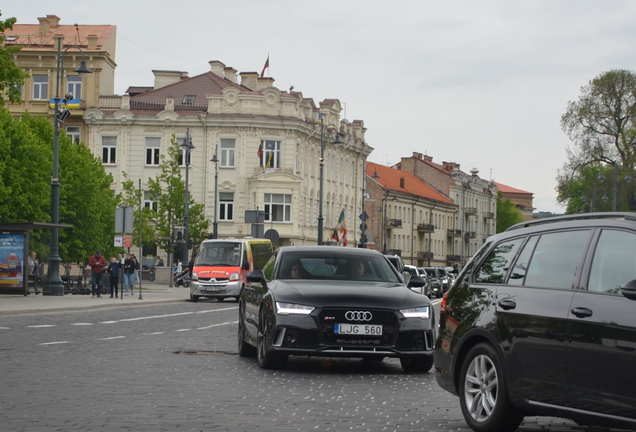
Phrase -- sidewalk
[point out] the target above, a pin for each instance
(151, 293)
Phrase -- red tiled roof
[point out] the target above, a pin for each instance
(389, 178)
(30, 37)
(507, 189)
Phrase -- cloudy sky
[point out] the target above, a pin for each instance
(481, 83)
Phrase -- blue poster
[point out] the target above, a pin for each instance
(11, 259)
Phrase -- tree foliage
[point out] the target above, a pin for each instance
(11, 76)
(86, 200)
(601, 125)
(507, 213)
(167, 190)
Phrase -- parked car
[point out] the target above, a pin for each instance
(542, 321)
(334, 302)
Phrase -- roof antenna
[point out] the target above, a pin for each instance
(78, 35)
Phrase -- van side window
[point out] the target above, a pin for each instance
(614, 261)
(260, 254)
(556, 259)
(494, 268)
(268, 268)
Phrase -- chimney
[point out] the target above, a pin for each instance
(54, 20)
(44, 25)
(230, 74)
(427, 158)
(264, 82)
(164, 78)
(216, 67)
(417, 155)
(402, 182)
(92, 42)
(451, 166)
(249, 80)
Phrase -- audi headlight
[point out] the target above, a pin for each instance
(292, 308)
(418, 312)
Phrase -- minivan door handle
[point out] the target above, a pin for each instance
(582, 312)
(507, 304)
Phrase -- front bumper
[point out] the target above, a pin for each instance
(302, 335)
(215, 289)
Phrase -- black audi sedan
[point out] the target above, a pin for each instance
(542, 321)
(334, 302)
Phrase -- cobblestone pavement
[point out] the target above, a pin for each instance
(174, 367)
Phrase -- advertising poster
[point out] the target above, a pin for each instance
(12, 255)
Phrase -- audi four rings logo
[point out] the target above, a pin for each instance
(358, 316)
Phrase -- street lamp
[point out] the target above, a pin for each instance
(187, 147)
(336, 140)
(363, 215)
(57, 287)
(594, 194)
(215, 232)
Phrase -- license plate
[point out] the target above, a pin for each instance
(358, 329)
(209, 288)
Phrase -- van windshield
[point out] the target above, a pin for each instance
(219, 254)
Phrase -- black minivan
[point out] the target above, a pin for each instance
(542, 321)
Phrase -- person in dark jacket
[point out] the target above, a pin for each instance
(129, 273)
(113, 270)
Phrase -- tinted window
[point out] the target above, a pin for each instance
(556, 259)
(614, 261)
(268, 268)
(518, 273)
(495, 266)
(260, 253)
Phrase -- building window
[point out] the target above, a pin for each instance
(270, 154)
(277, 208)
(74, 132)
(149, 201)
(188, 99)
(74, 86)
(228, 150)
(153, 145)
(40, 87)
(226, 206)
(109, 150)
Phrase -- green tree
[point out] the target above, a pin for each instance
(11, 76)
(168, 192)
(507, 213)
(130, 197)
(86, 200)
(601, 126)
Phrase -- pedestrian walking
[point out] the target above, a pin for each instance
(97, 264)
(33, 270)
(113, 270)
(137, 268)
(129, 274)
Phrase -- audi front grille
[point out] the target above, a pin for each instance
(329, 317)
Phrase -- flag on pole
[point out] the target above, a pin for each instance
(335, 235)
(266, 66)
(342, 226)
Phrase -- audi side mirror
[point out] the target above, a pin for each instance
(628, 289)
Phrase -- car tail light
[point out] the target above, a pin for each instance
(442, 307)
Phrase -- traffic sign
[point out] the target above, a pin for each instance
(363, 216)
(363, 227)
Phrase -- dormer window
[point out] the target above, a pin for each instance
(11, 38)
(188, 99)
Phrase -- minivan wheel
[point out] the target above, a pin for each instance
(194, 298)
(483, 394)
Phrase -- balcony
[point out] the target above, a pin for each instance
(470, 234)
(424, 256)
(470, 211)
(427, 228)
(394, 223)
(453, 258)
(454, 233)
(489, 215)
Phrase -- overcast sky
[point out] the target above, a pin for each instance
(480, 83)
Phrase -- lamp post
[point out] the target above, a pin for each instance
(215, 232)
(363, 215)
(187, 147)
(57, 287)
(322, 164)
(594, 195)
